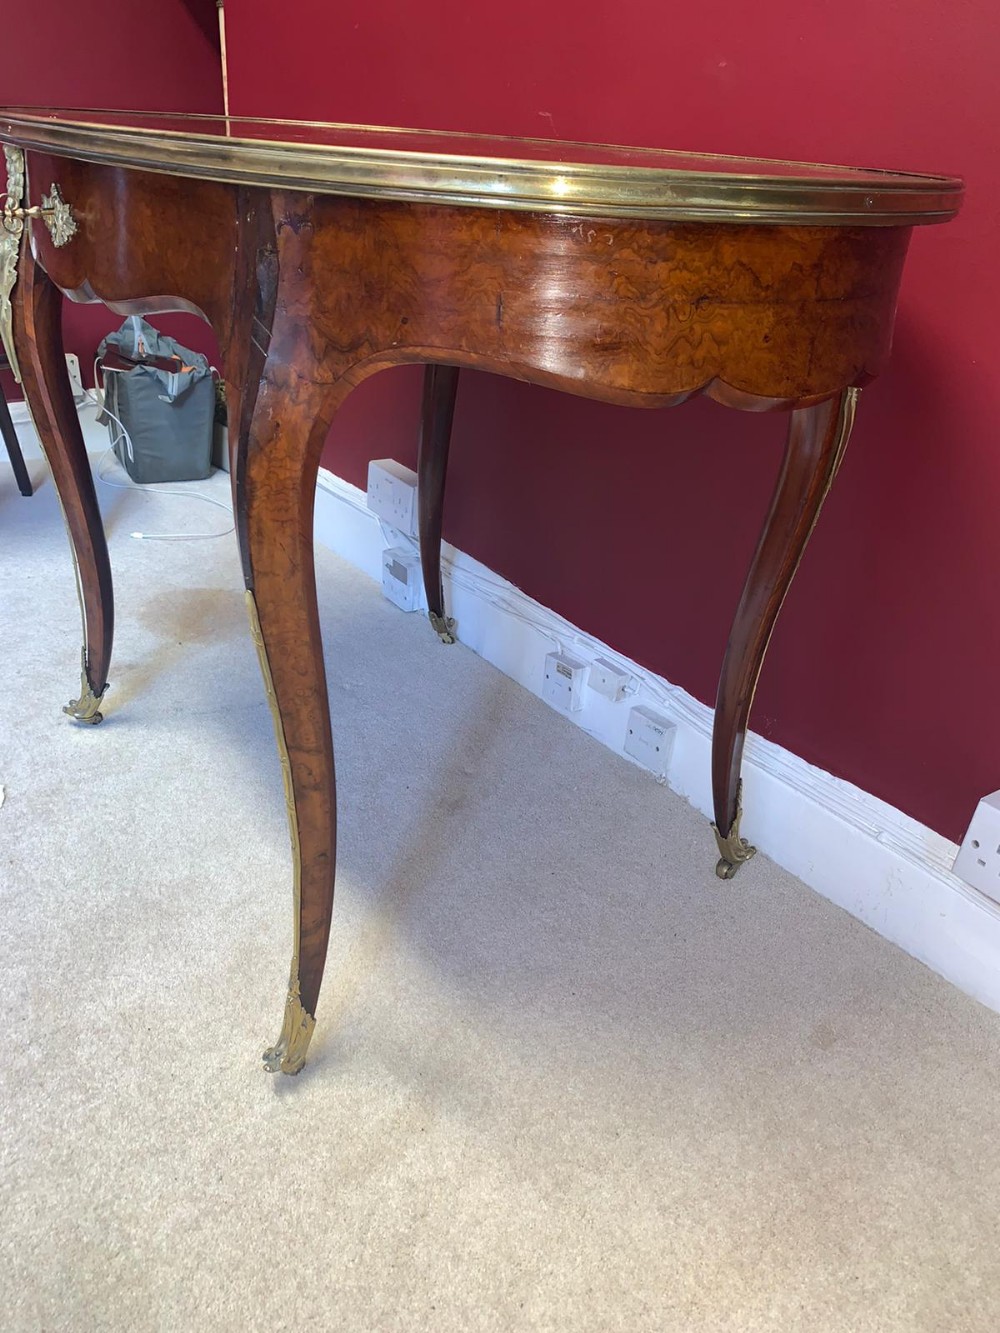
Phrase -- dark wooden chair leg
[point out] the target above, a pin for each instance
(14, 449)
(39, 346)
(437, 414)
(817, 438)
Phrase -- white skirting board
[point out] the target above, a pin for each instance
(883, 867)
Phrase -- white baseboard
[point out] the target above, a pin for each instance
(883, 867)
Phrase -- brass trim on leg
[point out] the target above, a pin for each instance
(288, 1054)
(845, 425)
(733, 850)
(11, 229)
(87, 707)
(57, 215)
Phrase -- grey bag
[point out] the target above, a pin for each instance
(160, 420)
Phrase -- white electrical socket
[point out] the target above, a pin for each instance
(978, 859)
(562, 685)
(392, 494)
(401, 581)
(75, 382)
(650, 739)
(608, 679)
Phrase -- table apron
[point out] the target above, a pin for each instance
(640, 312)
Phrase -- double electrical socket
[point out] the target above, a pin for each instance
(392, 494)
(649, 739)
(978, 859)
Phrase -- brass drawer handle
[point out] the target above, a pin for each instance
(54, 212)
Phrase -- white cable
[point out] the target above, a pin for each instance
(163, 490)
(123, 434)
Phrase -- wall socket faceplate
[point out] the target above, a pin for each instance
(978, 859)
(562, 682)
(649, 739)
(401, 581)
(76, 382)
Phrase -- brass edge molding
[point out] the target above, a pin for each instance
(874, 199)
(288, 1054)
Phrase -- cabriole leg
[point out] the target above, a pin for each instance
(284, 384)
(39, 344)
(817, 438)
(436, 416)
(275, 500)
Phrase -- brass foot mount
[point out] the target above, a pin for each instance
(733, 850)
(442, 626)
(288, 1054)
(88, 707)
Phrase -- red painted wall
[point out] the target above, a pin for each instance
(85, 53)
(638, 525)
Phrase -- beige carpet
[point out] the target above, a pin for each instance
(562, 1078)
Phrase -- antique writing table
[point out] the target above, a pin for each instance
(323, 253)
